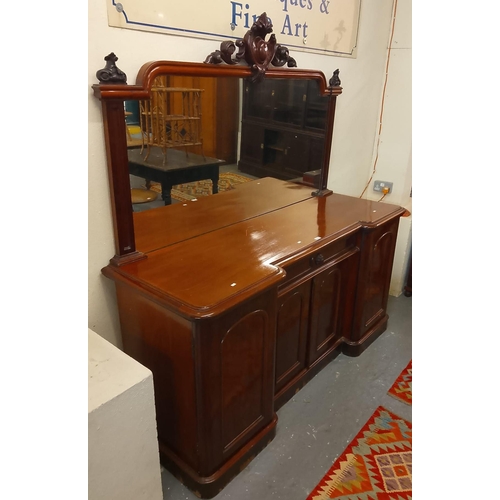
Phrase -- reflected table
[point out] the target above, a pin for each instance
(177, 168)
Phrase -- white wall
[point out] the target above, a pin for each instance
(394, 163)
(394, 151)
(356, 124)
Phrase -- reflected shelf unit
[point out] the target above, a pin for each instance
(283, 128)
(171, 118)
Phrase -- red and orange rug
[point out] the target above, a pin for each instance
(401, 389)
(375, 466)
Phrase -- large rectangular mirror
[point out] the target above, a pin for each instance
(195, 132)
(188, 130)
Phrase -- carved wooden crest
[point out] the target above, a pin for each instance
(254, 49)
(111, 73)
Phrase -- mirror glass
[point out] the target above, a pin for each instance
(197, 132)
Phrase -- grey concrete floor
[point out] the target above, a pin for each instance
(319, 422)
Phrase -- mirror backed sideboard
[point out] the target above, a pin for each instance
(237, 300)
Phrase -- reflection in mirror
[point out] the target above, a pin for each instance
(283, 129)
(197, 133)
(183, 141)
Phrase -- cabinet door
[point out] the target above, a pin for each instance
(296, 160)
(225, 120)
(252, 142)
(259, 100)
(289, 101)
(316, 108)
(377, 255)
(291, 334)
(317, 148)
(235, 360)
(332, 293)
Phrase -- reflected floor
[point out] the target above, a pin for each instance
(138, 182)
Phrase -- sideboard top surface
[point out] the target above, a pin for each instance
(164, 226)
(204, 275)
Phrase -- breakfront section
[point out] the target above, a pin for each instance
(314, 313)
(331, 300)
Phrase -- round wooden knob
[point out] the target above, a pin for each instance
(319, 259)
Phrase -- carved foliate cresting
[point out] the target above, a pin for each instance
(257, 52)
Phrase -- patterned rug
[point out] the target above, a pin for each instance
(401, 389)
(375, 466)
(192, 190)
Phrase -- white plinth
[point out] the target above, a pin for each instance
(123, 444)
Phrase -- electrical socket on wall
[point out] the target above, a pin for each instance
(381, 186)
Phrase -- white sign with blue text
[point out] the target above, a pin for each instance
(319, 26)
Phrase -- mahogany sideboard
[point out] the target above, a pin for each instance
(236, 300)
(243, 297)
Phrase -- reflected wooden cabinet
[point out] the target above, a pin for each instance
(283, 128)
(253, 149)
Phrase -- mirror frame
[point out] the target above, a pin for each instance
(258, 55)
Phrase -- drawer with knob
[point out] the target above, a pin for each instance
(330, 251)
(309, 265)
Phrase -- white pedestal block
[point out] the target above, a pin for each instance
(122, 439)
